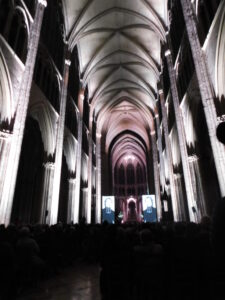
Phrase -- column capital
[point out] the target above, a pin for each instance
(152, 132)
(192, 158)
(177, 175)
(43, 2)
(221, 119)
(4, 134)
(49, 165)
(167, 52)
(72, 180)
(81, 93)
(82, 83)
(67, 62)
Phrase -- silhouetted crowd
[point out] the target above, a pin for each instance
(145, 261)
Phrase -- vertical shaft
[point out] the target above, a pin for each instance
(181, 137)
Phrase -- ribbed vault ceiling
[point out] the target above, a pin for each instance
(118, 45)
(128, 147)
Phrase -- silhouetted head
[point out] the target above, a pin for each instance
(25, 231)
(220, 132)
(146, 236)
(206, 220)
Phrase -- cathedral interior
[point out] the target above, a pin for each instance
(117, 98)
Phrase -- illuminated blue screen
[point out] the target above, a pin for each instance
(108, 209)
(149, 208)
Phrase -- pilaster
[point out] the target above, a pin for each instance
(199, 193)
(98, 179)
(54, 201)
(159, 138)
(156, 176)
(71, 200)
(90, 175)
(181, 137)
(5, 142)
(174, 200)
(48, 169)
(79, 157)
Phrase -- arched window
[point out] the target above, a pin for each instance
(206, 11)
(18, 34)
(46, 77)
(6, 99)
(86, 108)
(72, 120)
(4, 15)
(73, 84)
(115, 175)
(38, 69)
(130, 174)
(139, 174)
(121, 174)
(52, 32)
(30, 4)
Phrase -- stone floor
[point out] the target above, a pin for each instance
(76, 283)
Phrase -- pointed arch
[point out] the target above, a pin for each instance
(6, 92)
(46, 117)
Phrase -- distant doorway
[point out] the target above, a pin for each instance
(131, 210)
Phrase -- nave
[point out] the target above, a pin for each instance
(109, 110)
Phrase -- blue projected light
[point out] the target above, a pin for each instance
(149, 208)
(108, 209)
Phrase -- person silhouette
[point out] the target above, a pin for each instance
(220, 132)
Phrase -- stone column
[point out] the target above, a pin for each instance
(180, 195)
(71, 202)
(176, 215)
(98, 178)
(156, 176)
(53, 202)
(159, 136)
(48, 169)
(206, 91)
(5, 142)
(84, 192)
(181, 137)
(140, 211)
(124, 211)
(197, 179)
(125, 180)
(21, 114)
(90, 149)
(79, 157)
